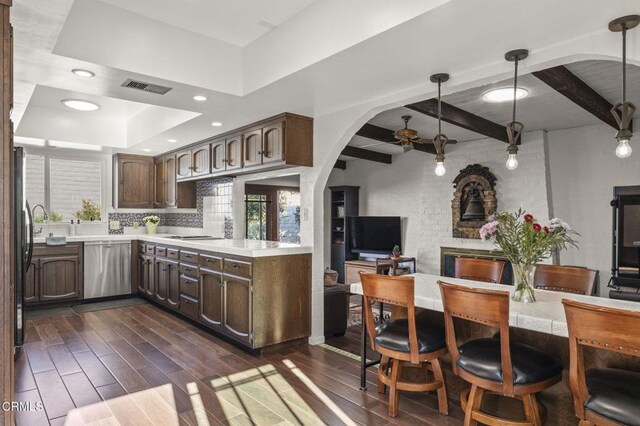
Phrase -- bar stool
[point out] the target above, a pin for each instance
(603, 396)
(494, 364)
(469, 268)
(414, 340)
(569, 279)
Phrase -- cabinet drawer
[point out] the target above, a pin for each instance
(161, 251)
(45, 250)
(189, 256)
(238, 268)
(189, 306)
(148, 249)
(189, 286)
(213, 263)
(173, 253)
(188, 269)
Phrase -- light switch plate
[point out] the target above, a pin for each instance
(114, 225)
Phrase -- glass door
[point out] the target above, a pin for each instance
(272, 213)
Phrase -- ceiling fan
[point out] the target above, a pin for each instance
(407, 137)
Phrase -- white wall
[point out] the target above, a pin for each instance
(410, 188)
(584, 170)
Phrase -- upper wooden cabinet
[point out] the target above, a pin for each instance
(184, 164)
(170, 182)
(194, 162)
(273, 142)
(133, 181)
(234, 152)
(160, 184)
(168, 191)
(252, 147)
(218, 155)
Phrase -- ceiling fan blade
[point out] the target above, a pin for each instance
(452, 141)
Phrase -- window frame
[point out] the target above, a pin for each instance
(73, 155)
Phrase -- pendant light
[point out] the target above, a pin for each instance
(514, 128)
(624, 111)
(440, 140)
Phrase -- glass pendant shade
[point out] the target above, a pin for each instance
(512, 162)
(624, 149)
(440, 170)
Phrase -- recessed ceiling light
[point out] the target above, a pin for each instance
(172, 140)
(504, 94)
(199, 98)
(146, 150)
(74, 145)
(216, 124)
(80, 105)
(83, 73)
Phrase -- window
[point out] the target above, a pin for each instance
(272, 213)
(62, 184)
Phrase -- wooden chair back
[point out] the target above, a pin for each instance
(612, 329)
(488, 307)
(391, 290)
(487, 270)
(569, 279)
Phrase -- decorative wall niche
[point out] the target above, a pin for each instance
(474, 200)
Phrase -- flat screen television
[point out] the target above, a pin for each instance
(374, 234)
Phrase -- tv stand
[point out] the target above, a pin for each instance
(352, 268)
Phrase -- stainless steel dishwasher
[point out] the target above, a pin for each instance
(107, 268)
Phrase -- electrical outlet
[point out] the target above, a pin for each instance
(305, 214)
(114, 225)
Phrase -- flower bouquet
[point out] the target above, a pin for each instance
(526, 242)
(151, 222)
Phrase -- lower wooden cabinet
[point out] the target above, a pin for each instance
(256, 302)
(55, 274)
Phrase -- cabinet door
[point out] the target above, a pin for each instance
(184, 165)
(59, 278)
(252, 148)
(201, 161)
(149, 282)
(273, 143)
(161, 273)
(173, 284)
(234, 153)
(159, 183)
(135, 174)
(30, 288)
(142, 274)
(218, 157)
(210, 297)
(237, 307)
(170, 181)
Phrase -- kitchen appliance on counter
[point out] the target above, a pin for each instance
(23, 243)
(107, 269)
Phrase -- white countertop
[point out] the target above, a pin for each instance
(546, 315)
(248, 248)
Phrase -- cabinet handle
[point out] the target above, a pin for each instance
(187, 269)
(235, 265)
(209, 260)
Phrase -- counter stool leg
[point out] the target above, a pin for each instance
(363, 349)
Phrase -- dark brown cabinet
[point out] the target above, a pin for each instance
(161, 274)
(252, 148)
(160, 183)
(194, 162)
(133, 181)
(273, 142)
(218, 155)
(170, 198)
(55, 274)
(184, 164)
(173, 284)
(211, 297)
(234, 152)
(237, 306)
(146, 279)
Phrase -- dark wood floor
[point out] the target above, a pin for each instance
(141, 365)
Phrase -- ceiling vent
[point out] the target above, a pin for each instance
(145, 87)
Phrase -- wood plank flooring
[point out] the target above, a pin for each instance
(141, 365)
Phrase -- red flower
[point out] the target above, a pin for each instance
(537, 227)
(547, 230)
(528, 218)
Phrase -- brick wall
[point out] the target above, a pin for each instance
(410, 188)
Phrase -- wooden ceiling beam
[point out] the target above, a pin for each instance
(461, 118)
(365, 154)
(577, 91)
(340, 164)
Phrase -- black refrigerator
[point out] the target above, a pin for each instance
(23, 247)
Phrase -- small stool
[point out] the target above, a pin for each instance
(603, 396)
(494, 365)
(413, 340)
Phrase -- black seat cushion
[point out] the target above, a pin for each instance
(482, 358)
(394, 335)
(614, 394)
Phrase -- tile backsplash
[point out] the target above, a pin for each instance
(214, 211)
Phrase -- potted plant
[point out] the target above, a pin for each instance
(525, 243)
(151, 222)
(89, 211)
(395, 252)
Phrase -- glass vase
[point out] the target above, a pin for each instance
(523, 276)
(151, 228)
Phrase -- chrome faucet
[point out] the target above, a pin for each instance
(44, 212)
